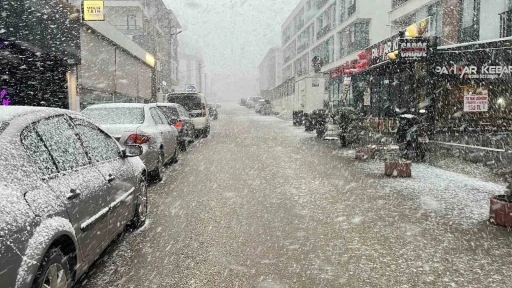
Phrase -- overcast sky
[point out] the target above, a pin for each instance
(233, 36)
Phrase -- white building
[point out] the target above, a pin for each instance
(270, 69)
(334, 30)
(190, 72)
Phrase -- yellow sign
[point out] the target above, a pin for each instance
(93, 11)
(150, 60)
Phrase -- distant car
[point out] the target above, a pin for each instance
(67, 189)
(196, 105)
(251, 102)
(177, 116)
(142, 124)
(243, 102)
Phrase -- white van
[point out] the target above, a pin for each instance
(196, 106)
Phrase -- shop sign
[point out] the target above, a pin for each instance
(347, 80)
(367, 97)
(475, 72)
(413, 48)
(477, 101)
(93, 11)
(378, 53)
(420, 28)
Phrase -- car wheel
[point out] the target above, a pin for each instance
(183, 145)
(54, 271)
(176, 157)
(141, 206)
(156, 174)
(206, 132)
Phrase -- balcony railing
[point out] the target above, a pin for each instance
(396, 3)
(353, 47)
(321, 3)
(506, 24)
(351, 9)
(303, 47)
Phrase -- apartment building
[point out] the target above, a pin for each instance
(190, 72)
(334, 30)
(270, 69)
(154, 27)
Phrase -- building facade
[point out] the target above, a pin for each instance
(270, 69)
(334, 30)
(154, 27)
(191, 72)
(39, 58)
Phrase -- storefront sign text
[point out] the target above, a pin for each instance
(93, 11)
(476, 102)
(378, 53)
(475, 72)
(414, 48)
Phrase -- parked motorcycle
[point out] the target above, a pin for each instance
(412, 137)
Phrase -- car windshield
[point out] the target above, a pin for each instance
(281, 143)
(116, 115)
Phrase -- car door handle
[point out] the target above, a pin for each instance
(73, 194)
(111, 178)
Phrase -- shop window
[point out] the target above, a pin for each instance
(469, 31)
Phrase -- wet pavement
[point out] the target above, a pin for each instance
(263, 204)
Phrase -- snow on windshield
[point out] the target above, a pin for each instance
(117, 115)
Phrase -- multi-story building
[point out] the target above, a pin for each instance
(190, 72)
(334, 30)
(270, 69)
(154, 27)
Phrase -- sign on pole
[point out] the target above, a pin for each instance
(476, 101)
(93, 11)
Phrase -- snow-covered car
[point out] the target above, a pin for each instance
(178, 117)
(196, 105)
(141, 124)
(67, 189)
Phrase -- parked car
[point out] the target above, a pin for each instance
(264, 107)
(142, 124)
(178, 117)
(67, 189)
(212, 109)
(196, 105)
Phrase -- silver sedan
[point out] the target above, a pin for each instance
(67, 189)
(142, 124)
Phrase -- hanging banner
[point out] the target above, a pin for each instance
(476, 100)
(420, 28)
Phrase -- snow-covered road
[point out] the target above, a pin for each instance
(264, 204)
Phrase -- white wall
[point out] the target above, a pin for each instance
(489, 18)
(377, 12)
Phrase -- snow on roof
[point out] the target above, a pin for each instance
(117, 105)
(9, 112)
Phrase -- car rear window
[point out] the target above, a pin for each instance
(170, 112)
(188, 101)
(116, 115)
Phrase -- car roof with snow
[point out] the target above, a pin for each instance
(10, 112)
(120, 105)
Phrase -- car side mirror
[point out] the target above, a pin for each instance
(132, 151)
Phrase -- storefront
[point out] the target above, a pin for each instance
(473, 86)
(37, 58)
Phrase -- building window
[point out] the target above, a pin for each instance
(131, 22)
(325, 50)
(436, 12)
(351, 7)
(470, 23)
(354, 38)
(342, 11)
(325, 22)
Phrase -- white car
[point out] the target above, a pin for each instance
(141, 124)
(196, 105)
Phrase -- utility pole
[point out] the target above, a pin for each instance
(205, 84)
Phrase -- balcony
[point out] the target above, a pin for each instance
(506, 24)
(351, 9)
(396, 3)
(354, 47)
(323, 31)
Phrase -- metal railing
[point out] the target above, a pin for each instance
(396, 3)
(351, 9)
